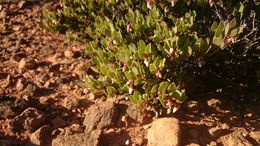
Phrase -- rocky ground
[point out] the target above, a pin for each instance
(42, 103)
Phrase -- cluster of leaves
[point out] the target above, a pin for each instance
(140, 48)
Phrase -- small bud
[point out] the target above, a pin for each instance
(146, 62)
(114, 42)
(211, 3)
(130, 90)
(149, 4)
(126, 98)
(130, 83)
(230, 40)
(127, 142)
(86, 91)
(171, 50)
(158, 74)
(129, 27)
(173, 2)
(175, 109)
(168, 111)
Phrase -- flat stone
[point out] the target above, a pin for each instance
(41, 136)
(255, 135)
(235, 139)
(30, 120)
(215, 132)
(79, 139)
(164, 132)
(100, 115)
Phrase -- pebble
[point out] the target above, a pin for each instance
(69, 54)
(27, 64)
(19, 85)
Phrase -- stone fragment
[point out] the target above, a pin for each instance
(213, 103)
(164, 132)
(69, 54)
(70, 102)
(235, 139)
(6, 103)
(27, 63)
(79, 139)
(100, 115)
(42, 77)
(30, 120)
(47, 51)
(58, 122)
(29, 90)
(255, 135)
(21, 4)
(134, 113)
(193, 106)
(41, 136)
(19, 85)
(215, 132)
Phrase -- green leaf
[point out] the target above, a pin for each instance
(110, 90)
(88, 48)
(162, 63)
(138, 81)
(135, 71)
(148, 49)
(227, 27)
(129, 75)
(214, 26)
(219, 41)
(172, 87)
(132, 99)
(233, 23)
(219, 29)
(157, 62)
(136, 97)
(241, 8)
(154, 89)
(152, 68)
(162, 101)
(234, 32)
(179, 95)
(163, 86)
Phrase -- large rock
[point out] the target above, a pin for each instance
(100, 115)
(30, 120)
(41, 136)
(164, 132)
(235, 139)
(78, 139)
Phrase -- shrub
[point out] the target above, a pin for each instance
(141, 49)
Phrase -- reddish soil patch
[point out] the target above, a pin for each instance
(41, 69)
